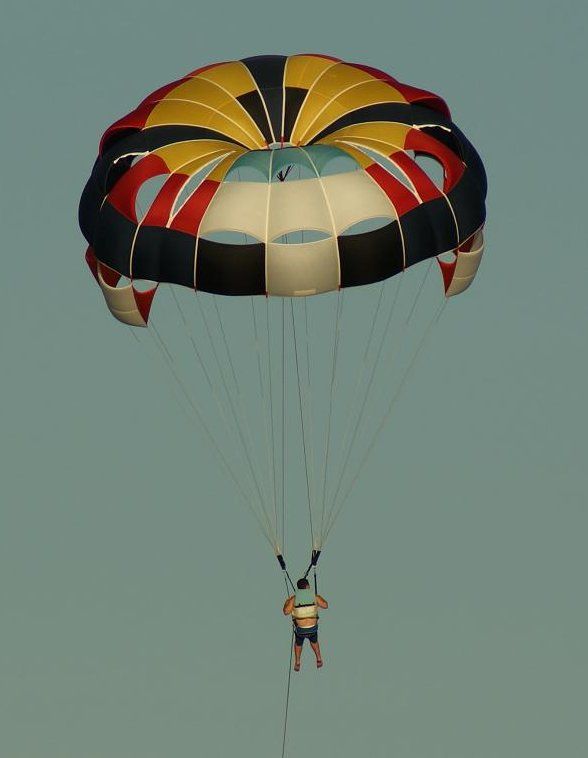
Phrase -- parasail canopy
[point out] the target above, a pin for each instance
(284, 177)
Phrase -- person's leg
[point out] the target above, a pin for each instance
(317, 652)
(297, 652)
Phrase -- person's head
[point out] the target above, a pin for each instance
(302, 584)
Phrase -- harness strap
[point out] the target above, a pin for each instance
(312, 565)
(282, 563)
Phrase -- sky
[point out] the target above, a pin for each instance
(139, 606)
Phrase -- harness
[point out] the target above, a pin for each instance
(305, 606)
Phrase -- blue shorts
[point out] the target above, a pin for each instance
(302, 633)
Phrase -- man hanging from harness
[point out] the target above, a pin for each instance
(304, 606)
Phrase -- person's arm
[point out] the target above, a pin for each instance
(288, 606)
(321, 602)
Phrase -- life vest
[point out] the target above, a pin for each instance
(305, 606)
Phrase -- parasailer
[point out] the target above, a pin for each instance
(304, 606)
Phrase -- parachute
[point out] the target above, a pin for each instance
(289, 213)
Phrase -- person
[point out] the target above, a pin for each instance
(303, 607)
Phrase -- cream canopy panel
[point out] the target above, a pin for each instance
(237, 207)
(354, 197)
(466, 266)
(297, 205)
(303, 269)
(121, 302)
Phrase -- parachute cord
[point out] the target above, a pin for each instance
(302, 426)
(190, 336)
(267, 409)
(284, 423)
(348, 446)
(226, 344)
(165, 352)
(256, 338)
(373, 373)
(418, 294)
(241, 408)
(286, 579)
(307, 340)
(222, 406)
(161, 357)
(329, 422)
(202, 364)
(362, 367)
(288, 681)
(308, 408)
(265, 530)
(234, 413)
(435, 320)
(359, 379)
(336, 509)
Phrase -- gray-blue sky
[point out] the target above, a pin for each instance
(117, 526)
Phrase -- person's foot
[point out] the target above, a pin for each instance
(296, 665)
(319, 663)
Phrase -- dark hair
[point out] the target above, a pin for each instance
(302, 584)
